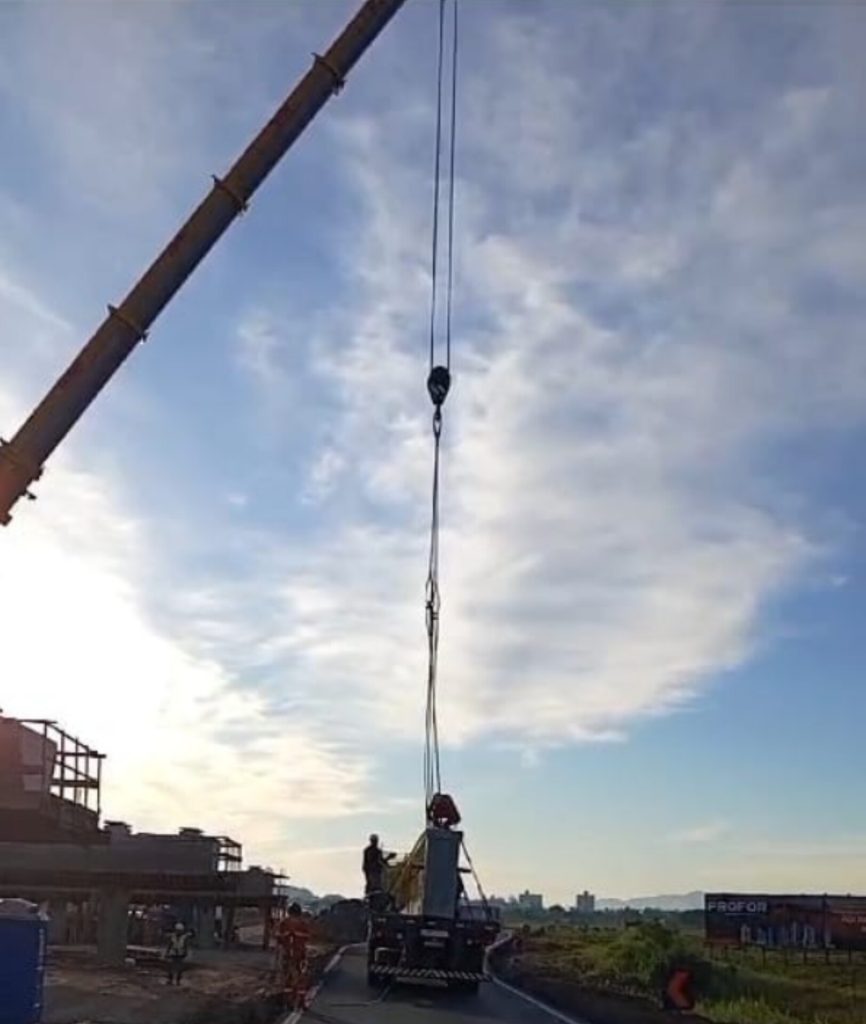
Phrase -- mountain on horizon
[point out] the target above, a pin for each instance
(308, 898)
(299, 893)
(675, 902)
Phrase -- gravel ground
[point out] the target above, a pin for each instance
(236, 988)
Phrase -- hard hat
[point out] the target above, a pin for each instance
(179, 927)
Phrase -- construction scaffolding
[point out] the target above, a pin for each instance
(77, 775)
(50, 782)
(230, 855)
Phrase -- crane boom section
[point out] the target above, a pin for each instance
(22, 458)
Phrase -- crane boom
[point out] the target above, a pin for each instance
(22, 458)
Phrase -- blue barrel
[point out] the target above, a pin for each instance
(22, 969)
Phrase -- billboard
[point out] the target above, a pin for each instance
(802, 922)
(847, 921)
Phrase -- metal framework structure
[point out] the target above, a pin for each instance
(230, 856)
(77, 772)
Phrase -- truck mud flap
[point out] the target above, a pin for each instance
(387, 971)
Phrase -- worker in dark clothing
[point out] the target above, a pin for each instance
(375, 862)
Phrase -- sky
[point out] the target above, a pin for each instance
(651, 661)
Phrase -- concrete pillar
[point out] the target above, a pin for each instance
(205, 926)
(90, 920)
(268, 925)
(82, 912)
(228, 926)
(58, 916)
(112, 925)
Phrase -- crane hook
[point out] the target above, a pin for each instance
(438, 385)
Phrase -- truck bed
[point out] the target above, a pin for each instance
(419, 947)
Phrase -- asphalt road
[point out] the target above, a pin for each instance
(346, 999)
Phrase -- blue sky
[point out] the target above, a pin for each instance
(651, 664)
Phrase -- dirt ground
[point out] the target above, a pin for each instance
(219, 988)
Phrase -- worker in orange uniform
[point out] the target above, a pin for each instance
(293, 935)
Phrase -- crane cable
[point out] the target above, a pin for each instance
(438, 384)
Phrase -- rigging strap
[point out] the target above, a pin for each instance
(485, 903)
(432, 774)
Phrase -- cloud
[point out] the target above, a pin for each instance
(632, 348)
(324, 474)
(258, 344)
(835, 862)
(607, 548)
(707, 832)
(80, 576)
(22, 298)
(178, 730)
(657, 297)
(26, 316)
(145, 100)
(237, 499)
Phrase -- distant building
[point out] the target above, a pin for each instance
(530, 901)
(584, 902)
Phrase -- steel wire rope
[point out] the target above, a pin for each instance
(438, 384)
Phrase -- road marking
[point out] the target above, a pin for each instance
(549, 1010)
(295, 1016)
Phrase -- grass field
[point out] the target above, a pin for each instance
(745, 988)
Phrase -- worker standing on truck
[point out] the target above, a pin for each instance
(176, 952)
(374, 864)
(293, 937)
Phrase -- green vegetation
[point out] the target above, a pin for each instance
(747, 989)
(750, 1011)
